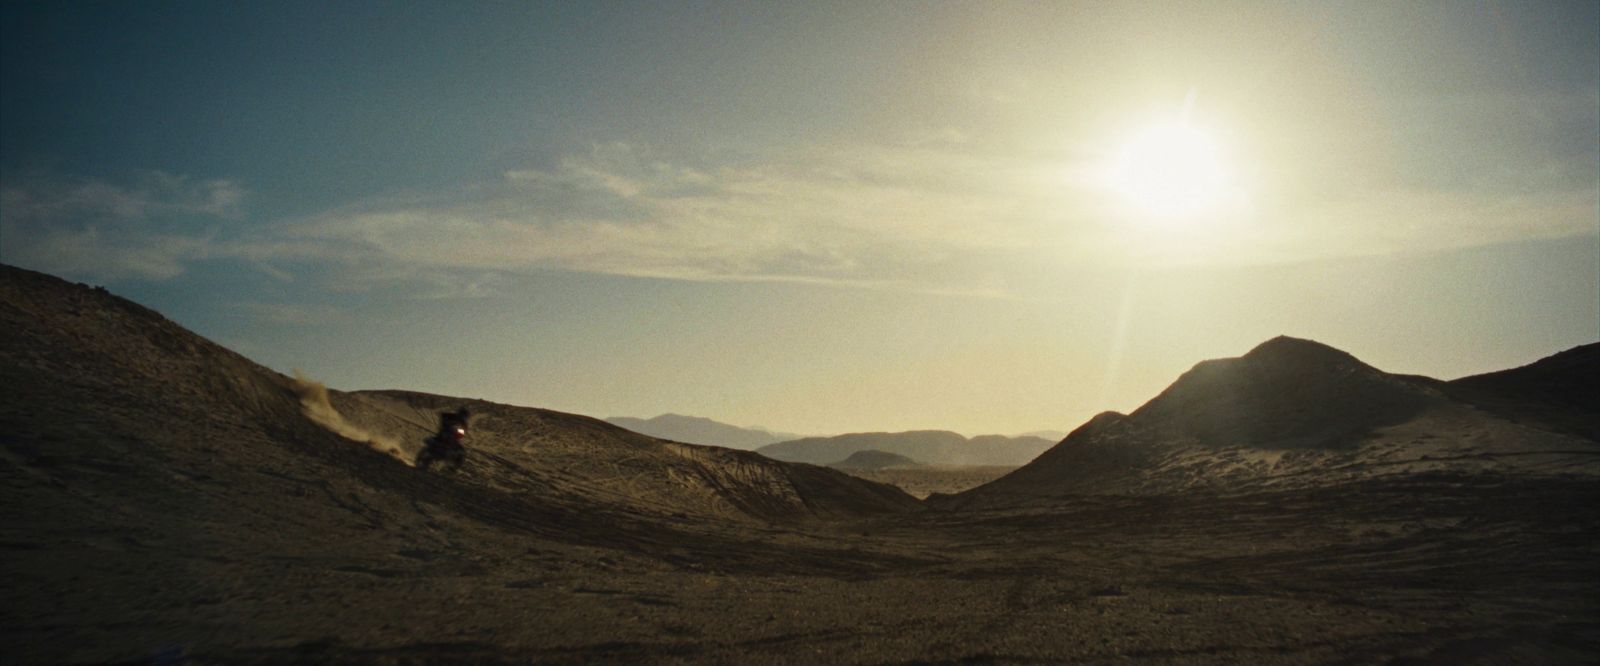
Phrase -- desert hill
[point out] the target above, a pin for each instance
(933, 447)
(150, 475)
(1560, 392)
(119, 356)
(594, 463)
(1291, 413)
(165, 500)
(872, 459)
(700, 430)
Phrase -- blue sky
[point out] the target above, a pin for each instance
(816, 217)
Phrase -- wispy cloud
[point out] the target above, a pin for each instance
(941, 213)
(154, 193)
(911, 216)
(942, 217)
(100, 254)
(92, 228)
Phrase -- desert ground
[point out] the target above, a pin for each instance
(167, 500)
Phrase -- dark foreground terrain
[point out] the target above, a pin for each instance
(163, 499)
(1439, 570)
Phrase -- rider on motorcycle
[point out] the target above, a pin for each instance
(448, 443)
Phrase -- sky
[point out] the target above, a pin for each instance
(815, 217)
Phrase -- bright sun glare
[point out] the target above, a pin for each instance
(1170, 171)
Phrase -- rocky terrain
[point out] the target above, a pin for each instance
(167, 500)
(933, 447)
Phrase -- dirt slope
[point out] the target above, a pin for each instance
(1290, 413)
(1560, 392)
(587, 462)
(147, 475)
(121, 357)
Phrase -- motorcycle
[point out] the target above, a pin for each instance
(445, 447)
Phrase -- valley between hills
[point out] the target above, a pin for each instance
(168, 500)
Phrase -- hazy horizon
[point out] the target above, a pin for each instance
(815, 218)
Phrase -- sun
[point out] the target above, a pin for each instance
(1170, 171)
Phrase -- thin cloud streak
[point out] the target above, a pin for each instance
(861, 220)
(931, 217)
(905, 217)
(147, 230)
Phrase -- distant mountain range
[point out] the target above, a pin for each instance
(934, 447)
(1297, 413)
(698, 430)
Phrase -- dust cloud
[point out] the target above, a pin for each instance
(314, 404)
